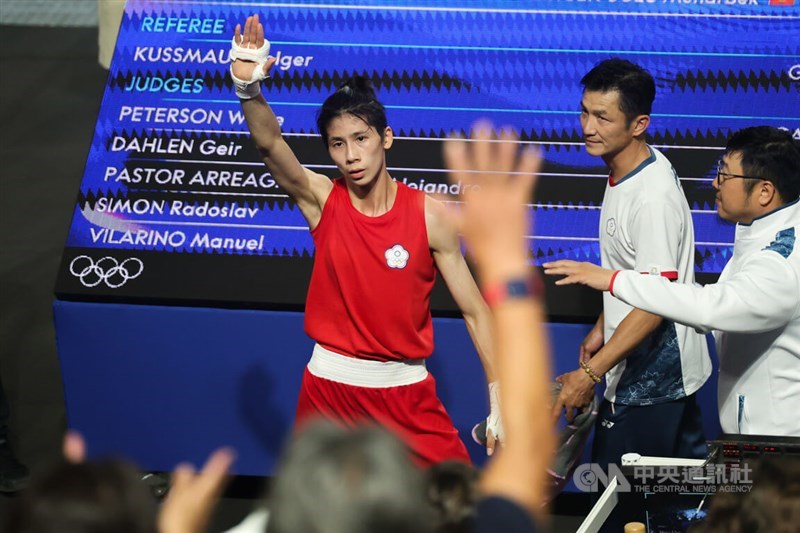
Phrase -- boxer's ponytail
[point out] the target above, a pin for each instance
(354, 97)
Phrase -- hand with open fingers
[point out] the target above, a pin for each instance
(496, 179)
(250, 59)
(192, 496)
(591, 344)
(587, 274)
(577, 391)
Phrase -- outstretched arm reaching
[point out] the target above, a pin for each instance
(760, 296)
(574, 272)
(307, 188)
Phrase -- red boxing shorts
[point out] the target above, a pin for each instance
(401, 396)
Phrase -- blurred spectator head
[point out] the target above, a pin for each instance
(91, 497)
(339, 480)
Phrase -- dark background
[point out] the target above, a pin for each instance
(51, 86)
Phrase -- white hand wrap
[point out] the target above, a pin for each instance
(247, 89)
(493, 423)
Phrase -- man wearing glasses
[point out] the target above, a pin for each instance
(754, 308)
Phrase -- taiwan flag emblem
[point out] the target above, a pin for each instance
(781, 2)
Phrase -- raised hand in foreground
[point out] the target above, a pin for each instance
(497, 179)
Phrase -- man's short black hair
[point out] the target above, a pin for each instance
(769, 154)
(635, 85)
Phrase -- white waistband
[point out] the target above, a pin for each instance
(363, 373)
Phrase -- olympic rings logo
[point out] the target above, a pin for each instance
(107, 270)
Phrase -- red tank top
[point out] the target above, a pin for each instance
(370, 289)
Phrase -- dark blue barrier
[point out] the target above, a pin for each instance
(163, 384)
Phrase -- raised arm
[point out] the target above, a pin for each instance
(307, 188)
(495, 221)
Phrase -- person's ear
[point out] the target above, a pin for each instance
(640, 125)
(388, 138)
(766, 192)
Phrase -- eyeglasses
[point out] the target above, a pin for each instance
(728, 175)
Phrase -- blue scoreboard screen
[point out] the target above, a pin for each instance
(175, 205)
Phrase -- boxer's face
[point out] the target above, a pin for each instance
(358, 150)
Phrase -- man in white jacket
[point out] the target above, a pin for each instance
(754, 308)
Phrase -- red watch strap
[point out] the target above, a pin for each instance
(498, 292)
